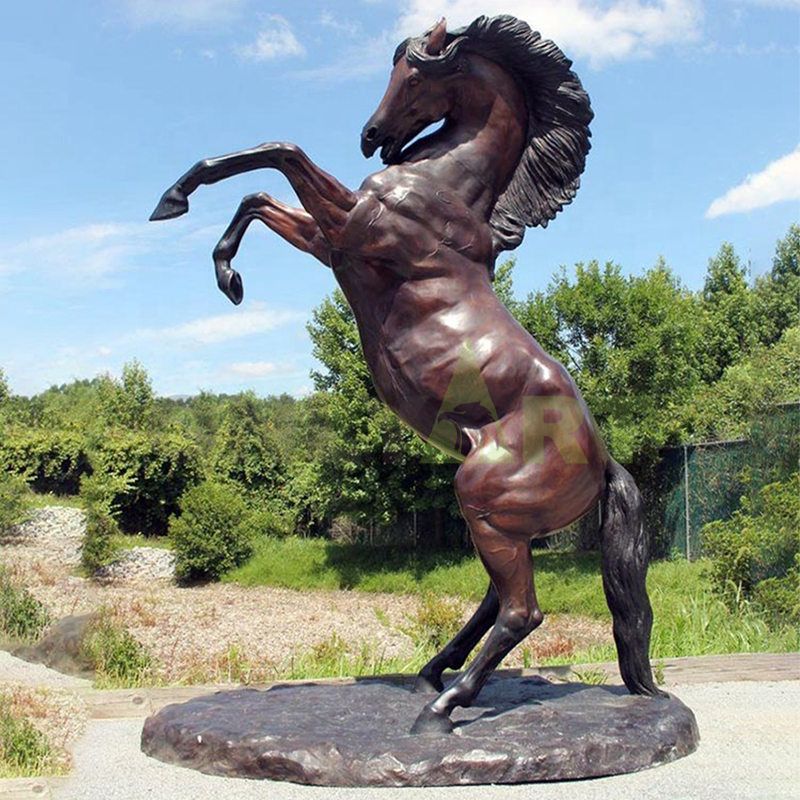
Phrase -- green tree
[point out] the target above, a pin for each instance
(129, 402)
(5, 392)
(630, 342)
(728, 331)
(777, 294)
(245, 451)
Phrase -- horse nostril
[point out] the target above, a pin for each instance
(371, 133)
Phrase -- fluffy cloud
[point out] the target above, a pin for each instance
(778, 181)
(82, 253)
(601, 33)
(255, 319)
(276, 39)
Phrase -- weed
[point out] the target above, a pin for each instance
(24, 750)
(436, 621)
(658, 673)
(591, 677)
(22, 616)
(118, 659)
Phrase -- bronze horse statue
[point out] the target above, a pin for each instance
(413, 250)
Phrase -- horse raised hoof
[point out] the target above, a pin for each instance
(431, 723)
(230, 283)
(173, 203)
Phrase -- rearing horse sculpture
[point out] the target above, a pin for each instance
(413, 251)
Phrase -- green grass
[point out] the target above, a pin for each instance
(50, 499)
(689, 618)
(126, 541)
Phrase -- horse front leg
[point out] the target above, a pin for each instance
(293, 224)
(327, 200)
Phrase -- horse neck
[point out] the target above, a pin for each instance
(481, 144)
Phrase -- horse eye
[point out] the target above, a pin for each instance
(413, 81)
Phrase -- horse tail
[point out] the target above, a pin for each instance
(625, 554)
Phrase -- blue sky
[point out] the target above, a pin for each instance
(106, 102)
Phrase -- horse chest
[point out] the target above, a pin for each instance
(417, 222)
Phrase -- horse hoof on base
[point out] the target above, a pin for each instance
(426, 685)
(429, 722)
(173, 203)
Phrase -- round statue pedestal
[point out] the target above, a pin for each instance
(520, 730)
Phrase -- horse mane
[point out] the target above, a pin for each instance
(559, 112)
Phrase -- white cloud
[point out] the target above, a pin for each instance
(600, 33)
(275, 40)
(345, 26)
(788, 4)
(182, 13)
(261, 369)
(253, 369)
(85, 252)
(254, 319)
(778, 181)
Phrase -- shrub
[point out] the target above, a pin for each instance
(214, 533)
(100, 538)
(22, 616)
(153, 472)
(117, 658)
(755, 554)
(436, 621)
(24, 750)
(51, 461)
(15, 500)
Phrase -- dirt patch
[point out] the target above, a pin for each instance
(191, 631)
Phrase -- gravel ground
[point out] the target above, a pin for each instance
(190, 630)
(16, 671)
(748, 751)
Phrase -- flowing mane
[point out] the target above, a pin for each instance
(548, 174)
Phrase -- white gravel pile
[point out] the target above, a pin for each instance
(140, 564)
(53, 537)
(54, 532)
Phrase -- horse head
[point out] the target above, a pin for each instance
(420, 93)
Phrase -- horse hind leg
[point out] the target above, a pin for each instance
(508, 561)
(456, 652)
(625, 559)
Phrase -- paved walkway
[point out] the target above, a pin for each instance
(749, 750)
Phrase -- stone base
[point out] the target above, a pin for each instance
(520, 730)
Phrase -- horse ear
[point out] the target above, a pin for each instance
(436, 38)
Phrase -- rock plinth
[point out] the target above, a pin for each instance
(520, 730)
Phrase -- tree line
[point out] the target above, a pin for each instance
(658, 364)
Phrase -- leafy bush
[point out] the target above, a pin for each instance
(117, 658)
(214, 533)
(24, 750)
(50, 460)
(779, 598)
(436, 621)
(755, 554)
(153, 472)
(14, 500)
(22, 616)
(101, 536)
